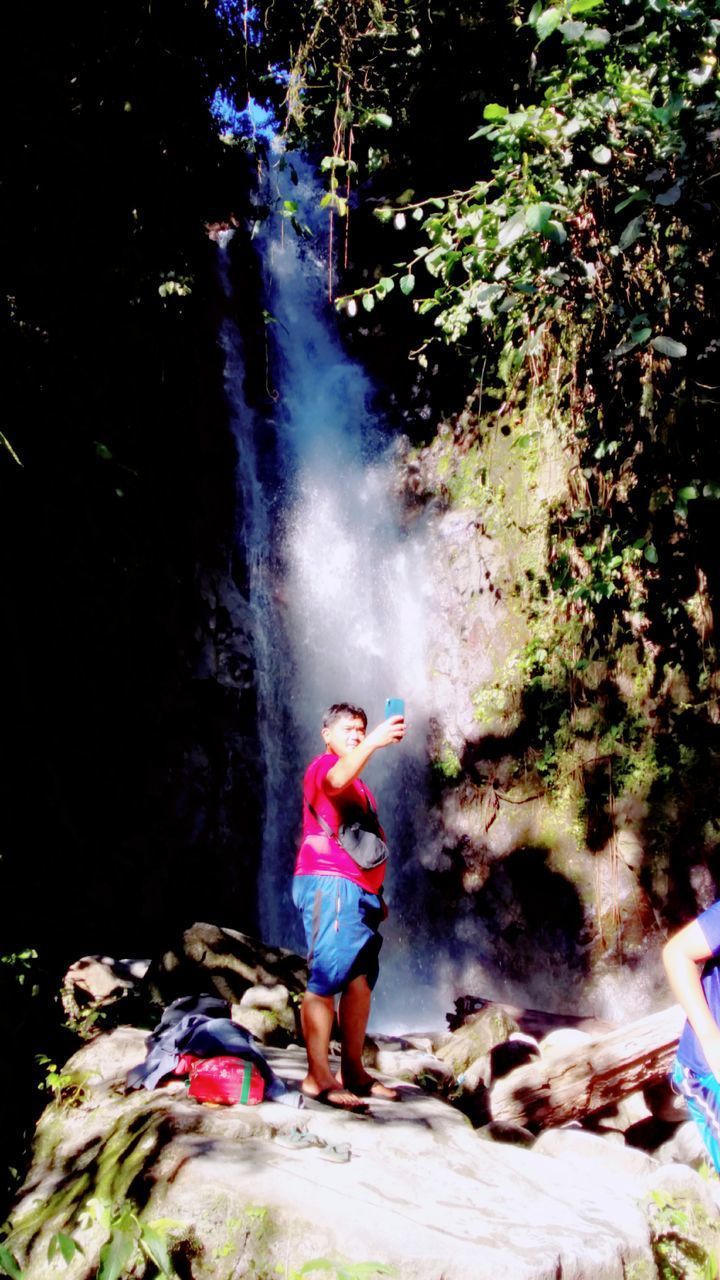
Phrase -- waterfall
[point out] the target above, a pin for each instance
(338, 588)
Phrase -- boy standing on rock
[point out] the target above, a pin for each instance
(341, 906)
(696, 1074)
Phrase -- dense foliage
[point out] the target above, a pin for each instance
(565, 269)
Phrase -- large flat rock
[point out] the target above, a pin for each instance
(421, 1192)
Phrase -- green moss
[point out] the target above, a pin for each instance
(448, 763)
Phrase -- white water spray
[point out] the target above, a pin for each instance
(338, 589)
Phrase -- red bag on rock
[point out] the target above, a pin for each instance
(226, 1080)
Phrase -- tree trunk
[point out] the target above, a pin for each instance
(569, 1083)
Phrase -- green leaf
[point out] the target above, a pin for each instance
(597, 36)
(156, 1249)
(385, 286)
(688, 493)
(584, 6)
(368, 301)
(381, 118)
(102, 451)
(640, 194)
(115, 1255)
(407, 283)
(573, 30)
(556, 231)
(493, 111)
(537, 216)
(548, 22)
(512, 230)
(290, 205)
(650, 553)
(669, 347)
(711, 489)
(9, 1265)
(63, 1244)
(632, 232)
(383, 214)
(602, 155)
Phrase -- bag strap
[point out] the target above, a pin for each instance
(332, 835)
(335, 835)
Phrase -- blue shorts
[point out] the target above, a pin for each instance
(341, 923)
(702, 1094)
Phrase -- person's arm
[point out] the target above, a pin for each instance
(347, 768)
(681, 956)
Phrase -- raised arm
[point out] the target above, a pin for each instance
(682, 956)
(348, 767)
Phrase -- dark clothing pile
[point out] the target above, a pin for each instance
(201, 1025)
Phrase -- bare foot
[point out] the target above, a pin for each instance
(368, 1087)
(332, 1093)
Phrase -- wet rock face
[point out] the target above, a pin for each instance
(537, 877)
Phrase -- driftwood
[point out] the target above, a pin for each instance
(569, 1083)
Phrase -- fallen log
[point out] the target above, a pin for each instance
(566, 1084)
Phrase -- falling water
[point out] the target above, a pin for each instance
(338, 589)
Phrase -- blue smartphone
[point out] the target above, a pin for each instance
(394, 707)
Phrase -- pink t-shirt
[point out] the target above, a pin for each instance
(318, 854)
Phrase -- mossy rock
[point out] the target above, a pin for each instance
(476, 1038)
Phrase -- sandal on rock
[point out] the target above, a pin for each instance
(339, 1154)
(297, 1138)
(331, 1098)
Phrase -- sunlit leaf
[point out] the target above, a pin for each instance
(537, 216)
(368, 301)
(573, 30)
(382, 119)
(156, 1248)
(597, 36)
(669, 347)
(640, 194)
(688, 493)
(115, 1255)
(9, 1265)
(493, 111)
(548, 22)
(602, 155)
(711, 489)
(512, 230)
(407, 283)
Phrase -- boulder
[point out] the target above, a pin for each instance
(476, 1037)
(423, 1069)
(251, 1191)
(222, 962)
(684, 1147)
(96, 992)
(269, 1014)
(612, 1162)
(663, 1102)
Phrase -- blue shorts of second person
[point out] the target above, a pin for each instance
(341, 923)
(702, 1094)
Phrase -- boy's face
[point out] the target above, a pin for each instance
(344, 734)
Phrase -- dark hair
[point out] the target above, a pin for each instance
(340, 709)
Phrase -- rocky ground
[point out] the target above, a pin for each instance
(413, 1186)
